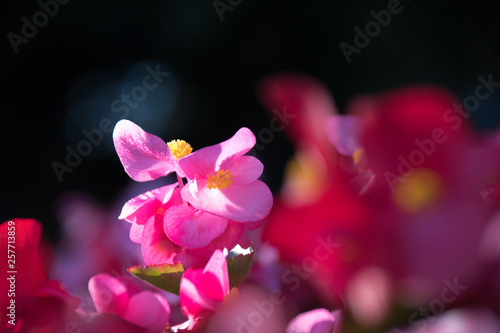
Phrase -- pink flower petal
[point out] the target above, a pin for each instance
(228, 239)
(149, 310)
(136, 231)
(142, 207)
(156, 247)
(344, 133)
(314, 321)
(144, 156)
(217, 265)
(209, 159)
(109, 294)
(192, 229)
(238, 202)
(202, 290)
(245, 169)
(238, 145)
(200, 162)
(193, 302)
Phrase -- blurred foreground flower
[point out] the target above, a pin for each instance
(33, 303)
(145, 308)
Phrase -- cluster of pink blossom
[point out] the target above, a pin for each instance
(192, 223)
(185, 223)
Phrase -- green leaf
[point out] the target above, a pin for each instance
(239, 263)
(166, 277)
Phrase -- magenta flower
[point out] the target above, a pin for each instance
(145, 156)
(224, 182)
(202, 290)
(145, 309)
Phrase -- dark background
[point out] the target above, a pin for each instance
(65, 78)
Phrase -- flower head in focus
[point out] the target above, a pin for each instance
(222, 181)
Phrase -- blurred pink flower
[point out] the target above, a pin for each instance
(314, 321)
(145, 308)
(39, 305)
(421, 220)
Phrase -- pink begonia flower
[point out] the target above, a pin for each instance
(140, 209)
(202, 290)
(314, 321)
(145, 309)
(224, 182)
(145, 156)
(170, 232)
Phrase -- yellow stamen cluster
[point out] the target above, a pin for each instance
(179, 148)
(221, 180)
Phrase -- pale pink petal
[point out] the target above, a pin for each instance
(149, 310)
(144, 156)
(244, 169)
(109, 294)
(229, 239)
(142, 207)
(156, 247)
(207, 160)
(200, 162)
(136, 233)
(344, 133)
(239, 144)
(238, 202)
(314, 321)
(192, 229)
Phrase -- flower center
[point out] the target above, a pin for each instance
(358, 155)
(179, 148)
(221, 180)
(418, 191)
